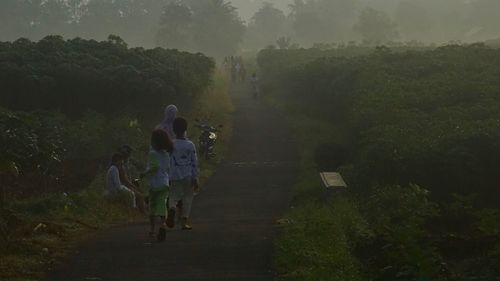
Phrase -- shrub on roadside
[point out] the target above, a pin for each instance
(429, 117)
(318, 242)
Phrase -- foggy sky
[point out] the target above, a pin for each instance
(318, 21)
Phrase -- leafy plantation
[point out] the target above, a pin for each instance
(77, 75)
(82, 99)
(65, 107)
(427, 120)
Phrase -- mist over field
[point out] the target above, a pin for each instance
(220, 27)
(336, 140)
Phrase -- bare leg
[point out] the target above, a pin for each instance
(187, 202)
(179, 211)
(162, 232)
(170, 222)
(152, 225)
(141, 205)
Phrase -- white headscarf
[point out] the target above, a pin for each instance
(168, 121)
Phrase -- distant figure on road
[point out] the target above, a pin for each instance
(238, 69)
(226, 65)
(166, 124)
(243, 73)
(157, 178)
(113, 183)
(234, 73)
(183, 175)
(254, 83)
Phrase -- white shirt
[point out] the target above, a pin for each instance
(113, 183)
(183, 160)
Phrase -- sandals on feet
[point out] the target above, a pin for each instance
(185, 225)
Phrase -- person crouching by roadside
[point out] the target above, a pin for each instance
(125, 179)
(183, 175)
(113, 183)
(157, 178)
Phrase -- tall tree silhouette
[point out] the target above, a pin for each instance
(316, 21)
(375, 26)
(176, 27)
(266, 26)
(212, 27)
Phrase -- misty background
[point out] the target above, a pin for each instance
(219, 27)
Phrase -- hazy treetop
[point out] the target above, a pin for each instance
(220, 27)
(247, 8)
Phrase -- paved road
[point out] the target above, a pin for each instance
(233, 218)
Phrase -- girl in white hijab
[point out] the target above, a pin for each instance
(167, 123)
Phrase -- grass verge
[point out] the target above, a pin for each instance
(216, 108)
(318, 234)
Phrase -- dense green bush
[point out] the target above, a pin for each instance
(54, 153)
(394, 118)
(66, 105)
(401, 248)
(320, 241)
(73, 76)
(426, 117)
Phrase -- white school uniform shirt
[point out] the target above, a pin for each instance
(183, 160)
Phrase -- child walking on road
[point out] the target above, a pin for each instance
(158, 179)
(183, 175)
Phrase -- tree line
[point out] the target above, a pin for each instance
(216, 28)
(73, 76)
(188, 25)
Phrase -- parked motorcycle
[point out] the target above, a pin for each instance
(207, 139)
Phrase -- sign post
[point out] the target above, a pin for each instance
(333, 182)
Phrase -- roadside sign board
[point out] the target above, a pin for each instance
(333, 180)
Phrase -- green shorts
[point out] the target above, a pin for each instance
(157, 202)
